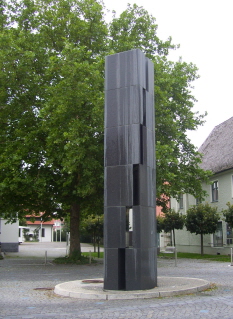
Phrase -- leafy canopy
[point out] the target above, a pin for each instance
(177, 159)
(52, 99)
(51, 105)
(172, 220)
(228, 214)
(201, 220)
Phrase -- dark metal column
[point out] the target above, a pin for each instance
(130, 224)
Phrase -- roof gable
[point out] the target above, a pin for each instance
(217, 149)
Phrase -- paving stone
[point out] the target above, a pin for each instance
(19, 278)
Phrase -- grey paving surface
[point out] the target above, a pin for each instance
(26, 291)
(52, 250)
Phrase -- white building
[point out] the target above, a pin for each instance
(42, 230)
(9, 236)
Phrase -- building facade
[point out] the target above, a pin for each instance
(217, 153)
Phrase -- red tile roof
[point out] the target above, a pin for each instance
(38, 222)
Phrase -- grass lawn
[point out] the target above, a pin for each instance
(94, 255)
(224, 258)
(198, 256)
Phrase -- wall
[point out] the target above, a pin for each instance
(9, 236)
(47, 232)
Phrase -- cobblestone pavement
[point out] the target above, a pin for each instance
(26, 291)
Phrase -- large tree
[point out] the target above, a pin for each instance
(177, 159)
(52, 98)
(52, 109)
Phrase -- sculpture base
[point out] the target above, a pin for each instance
(167, 286)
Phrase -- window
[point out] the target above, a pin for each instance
(181, 201)
(215, 191)
(43, 232)
(229, 235)
(218, 236)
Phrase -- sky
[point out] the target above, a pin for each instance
(203, 28)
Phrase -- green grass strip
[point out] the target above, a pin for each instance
(93, 255)
(224, 258)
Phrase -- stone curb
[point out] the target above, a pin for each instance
(167, 287)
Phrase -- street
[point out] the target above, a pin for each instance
(27, 283)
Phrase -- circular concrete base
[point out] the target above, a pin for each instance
(167, 286)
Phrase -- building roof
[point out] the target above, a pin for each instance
(217, 149)
(37, 222)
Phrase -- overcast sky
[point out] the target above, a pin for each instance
(203, 28)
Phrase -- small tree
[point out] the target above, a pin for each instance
(36, 234)
(173, 220)
(228, 214)
(201, 220)
(26, 234)
(159, 220)
(93, 224)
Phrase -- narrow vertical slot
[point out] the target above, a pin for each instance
(147, 75)
(121, 269)
(144, 106)
(136, 181)
(129, 227)
(143, 126)
(131, 219)
(141, 144)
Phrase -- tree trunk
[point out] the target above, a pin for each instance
(174, 239)
(75, 248)
(202, 248)
(94, 241)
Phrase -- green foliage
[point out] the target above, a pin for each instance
(228, 214)
(177, 160)
(23, 222)
(160, 226)
(51, 132)
(93, 226)
(173, 220)
(222, 258)
(26, 234)
(201, 220)
(136, 28)
(94, 254)
(52, 98)
(35, 236)
(75, 258)
(51, 107)
(93, 223)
